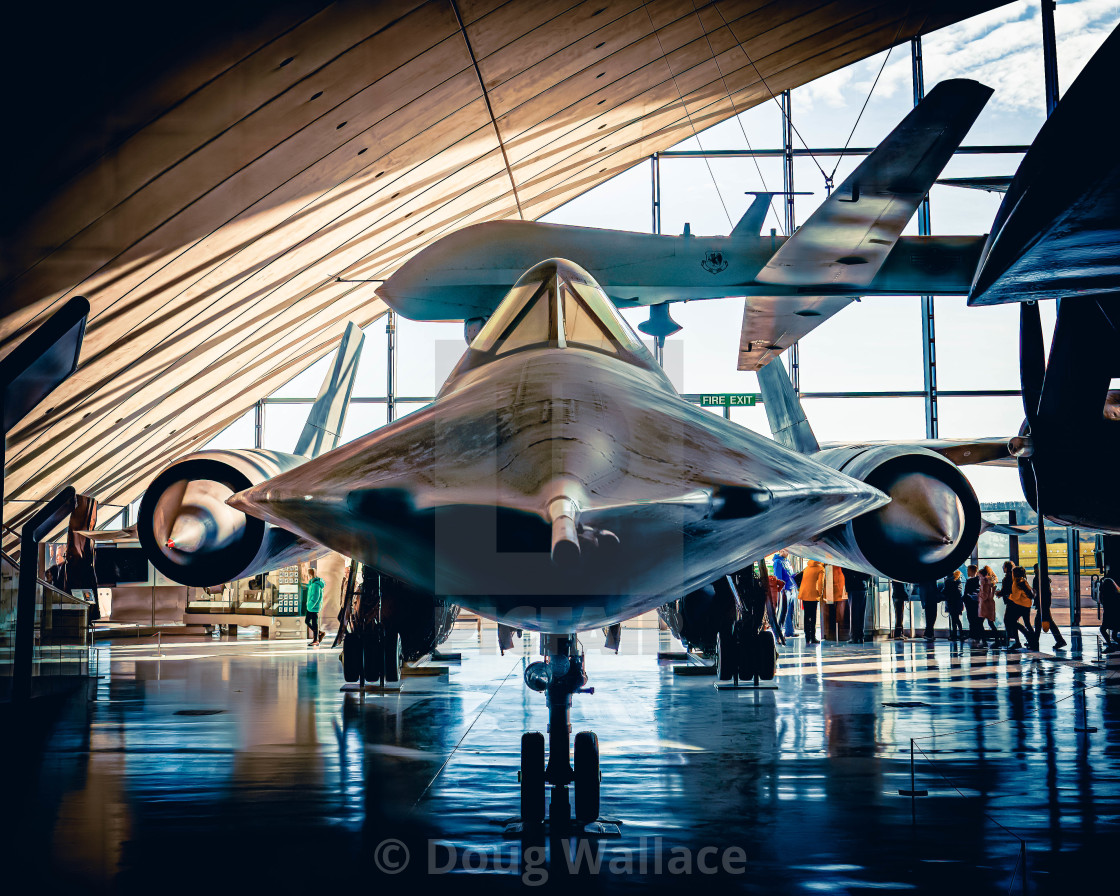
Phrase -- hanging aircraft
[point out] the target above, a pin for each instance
(850, 247)
(558, 484)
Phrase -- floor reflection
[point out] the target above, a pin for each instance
(239, 763)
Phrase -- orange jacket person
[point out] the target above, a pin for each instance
(813, 584)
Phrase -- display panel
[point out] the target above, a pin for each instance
(115, 565)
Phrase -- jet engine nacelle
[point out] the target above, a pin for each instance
(194, 537)
(927, 530)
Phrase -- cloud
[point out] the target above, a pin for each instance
(1002, 48)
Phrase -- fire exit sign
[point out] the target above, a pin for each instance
(729, 400)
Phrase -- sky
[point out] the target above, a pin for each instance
(874, 345)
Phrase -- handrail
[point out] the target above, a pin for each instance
(66, 595)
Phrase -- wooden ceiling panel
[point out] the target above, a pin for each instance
(193, 121)
(210, 230)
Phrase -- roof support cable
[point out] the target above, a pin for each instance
(735, 110)
(684, 106)
(830, 178)
(762, 79)
(489, 108)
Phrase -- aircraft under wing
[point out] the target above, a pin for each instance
(771, 324)
(1057, 232)
(846, 240)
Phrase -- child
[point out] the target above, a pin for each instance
(954, 604)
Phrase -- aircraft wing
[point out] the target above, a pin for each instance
(846, 240)
(990, 451)
(771, 324)
(110, 535)
(995, 184)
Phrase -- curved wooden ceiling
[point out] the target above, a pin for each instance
(211, 229)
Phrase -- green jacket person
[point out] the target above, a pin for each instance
(315, 587)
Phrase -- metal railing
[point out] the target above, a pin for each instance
(60, 651)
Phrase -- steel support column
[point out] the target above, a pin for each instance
(794, 353)
(391, 365)
(1073, 571)
(655, 225)
(1049, 55)
(258, 424)
(929, 343)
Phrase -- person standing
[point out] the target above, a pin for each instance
(1018, 614)
(314, 603)
(859, 586)
(972, 605)
(900, 596)
(1109, 596)
(835, 602)
(811, 593)
(930, 597)
(784, 574)
(986, 600)
(1045, 620)
(954, 604)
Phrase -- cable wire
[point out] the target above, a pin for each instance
(735, 110)
(773, 96)
(684, 106)
(831, 177)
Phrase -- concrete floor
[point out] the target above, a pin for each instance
(224, 765)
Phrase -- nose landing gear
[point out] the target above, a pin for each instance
(560, 675)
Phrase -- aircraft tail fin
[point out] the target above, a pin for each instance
(783, 409)
(755, 217)
(323, 429)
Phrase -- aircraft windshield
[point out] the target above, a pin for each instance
(556, 305)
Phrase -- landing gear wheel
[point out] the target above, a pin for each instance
(766, 656)
(726, 659)
(532, 778)
(745, 653)
(393, 652)
(587, 777)
(371, 654)
(352, 656)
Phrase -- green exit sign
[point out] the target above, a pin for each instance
(729, 400)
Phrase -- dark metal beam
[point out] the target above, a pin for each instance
(994, 149)
(929, 343)
(1049, 55)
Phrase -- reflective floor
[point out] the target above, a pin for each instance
(227, 765)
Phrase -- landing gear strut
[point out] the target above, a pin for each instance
(560, 675)
(745, 650)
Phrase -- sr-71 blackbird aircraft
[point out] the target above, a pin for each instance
(558, 483)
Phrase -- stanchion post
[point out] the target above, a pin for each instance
(913, 792)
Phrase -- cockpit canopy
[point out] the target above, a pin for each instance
(556, 304)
